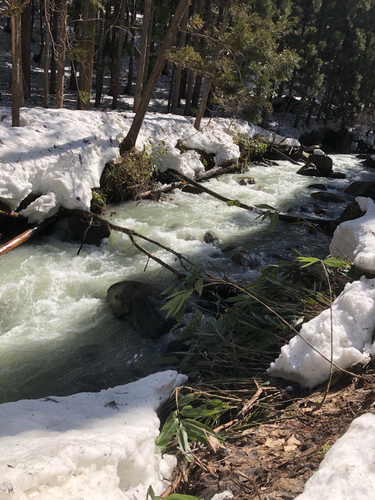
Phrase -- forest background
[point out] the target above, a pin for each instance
(229, 58)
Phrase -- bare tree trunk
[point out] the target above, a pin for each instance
(207, 88)
(17, 90)
(47, 15)
(52, 86)
(148, 47)
(142, 55)
(60, 82)
(101, 38)
(128, 88)
(26, 28)
(86, 66)
(177, 78)
(130, 139)
(120, 42)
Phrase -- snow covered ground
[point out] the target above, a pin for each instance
(60, 154)
(89, 446)
(348, 469)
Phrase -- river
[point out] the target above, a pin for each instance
(57, 333)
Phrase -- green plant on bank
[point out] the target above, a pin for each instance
(98, 201)
(129, 175)
(251, 319)
(173, 496)
(245, 330)
(270, 213)
(250, 149)
(182, 424)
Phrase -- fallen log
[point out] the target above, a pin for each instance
(284, 156)
(26, 235)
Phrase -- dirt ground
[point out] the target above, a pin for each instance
(275, 459)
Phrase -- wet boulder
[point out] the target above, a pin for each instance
(211, 239)
(91, 232)
(329, 197)
(362, 188)
(322, 162)
(351, 212)
(309, 170)
(139, 304)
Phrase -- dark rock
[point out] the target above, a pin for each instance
(324, 196)
(309, 170)
(96, 232)
(245, 181)
(246, 259)
(319, 211)
(332, 141)
(139, 305)
(322, 162)
(211, 238)
(336, 175)
(362, 188)
(321, 187)
(351, 212)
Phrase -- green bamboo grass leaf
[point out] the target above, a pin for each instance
(199, 412)
(308, 261)
(189, 398)
(198, 431)
(274, 220)
(183, 440)
(173, 496)
(331, 262)
(265, 206)
(168, 431)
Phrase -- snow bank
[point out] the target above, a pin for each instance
(348, 469)
(60, 154)
(87, 446)
(353, 323)
(355, 239)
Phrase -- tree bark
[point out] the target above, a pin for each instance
(148, 47)
(52, 85)
(177, 78)
(128, 88)
(101, 39)
(142, 55)
(61, 58)
(47, 15)
(17, 90)
(120, 42)
(86, 66)
(129, 141)
(26, 28)
(207, 88)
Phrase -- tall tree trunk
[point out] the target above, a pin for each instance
(87, 63)
(148, 46)
(120, 42)
(101, 38)
(38, 57)
(189, 93)
(47, 15)
(177, 79)
(207, 87)
(142, 55)
(61, 59)
(128, 88)
(26, 28)
(54, 27)
(17, 90)
(130, 139)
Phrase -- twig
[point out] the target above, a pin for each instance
(85, 234)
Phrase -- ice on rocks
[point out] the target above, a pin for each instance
(354, 240)
(86, 446)
(352, 326)
(348, 469)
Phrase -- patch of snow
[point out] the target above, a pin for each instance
(354, 240)
(86, 446)
(348, 469)
(60, 154)
(353, 323)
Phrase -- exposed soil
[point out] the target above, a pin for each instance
(275, 459)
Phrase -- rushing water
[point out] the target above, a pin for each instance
(57, 333)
